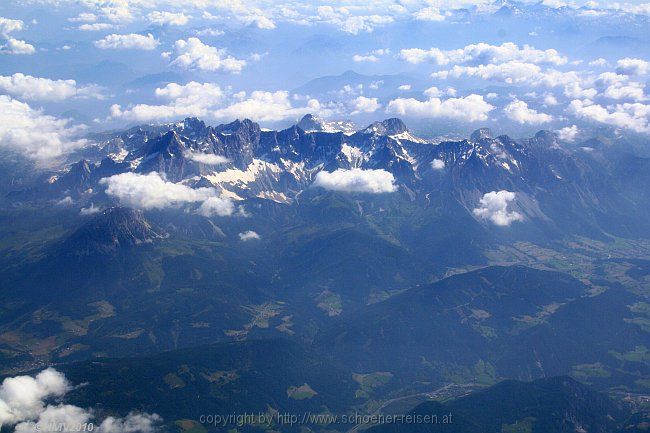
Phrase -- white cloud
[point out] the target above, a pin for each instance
(84, 17)
(356, 180)
(363, 104)
(194, 54)
(8, 26)
(550, 100)
(482, 53)
(372, 56)
(266, 107)
(404, 87)
(353, 24)
(437, 164)
(599, 62)
(207, 158)
(191, 93)
(65, 201)
(574, 83)
(210, 32)
(11, 45)
(433, 92)
(132, 423)
(429, 14)
(630, 66)
(242, 13)
(220, 206)
(95, 27)
(618, 86)
(22, 397)
(23, 405)
(521, 113)
(189, 100)
(470, 108)
(365, 58)
(249, 235)
(633, 116)
(34, 134)
(510, 72)
(16, 46)
(493, 207)
(31, 88)
(168, 18)
(90, 210)
(568, 133)
(209, 100)
(632, 90)
(132, 41)
(245, 14)
(151, 191)
(54, 418)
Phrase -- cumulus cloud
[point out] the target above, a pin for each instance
(493, 207)
(356, 180)
(429, 14)
(550, 100)
(220, 206)
(599, 62)
(8, 26)
(31, 88)
(349, 23)
(482, 53)
(168, 18)
(34, 134)
(90, 210)
(132, 41)
(365, 58)
(207, 158)
(189, 100)
(210, 100)
(470, 108)
(84, 17)
(632, 90)
(16, 46)
(249, 235)
(633, 116)
(521, 113)
(95, 27)
(266, 107)
(25, 404)
(151, 191)
(194, 54)
(575, 85)
(438, 164)
(22, 397)
(372, 56)
(618, 86)
(11, 45)
(363, 104)
(630, 66)
(568, 133)
(246, 14)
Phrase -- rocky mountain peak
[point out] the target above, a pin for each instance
(193, 123)
(239, 127)
(392, 126)
(110, 230)
(309, 123)
(480, 134)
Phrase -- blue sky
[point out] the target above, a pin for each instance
(446, 67)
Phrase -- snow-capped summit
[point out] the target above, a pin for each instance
(480, 134)
(311, 123)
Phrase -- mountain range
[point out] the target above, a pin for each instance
(191, 261)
